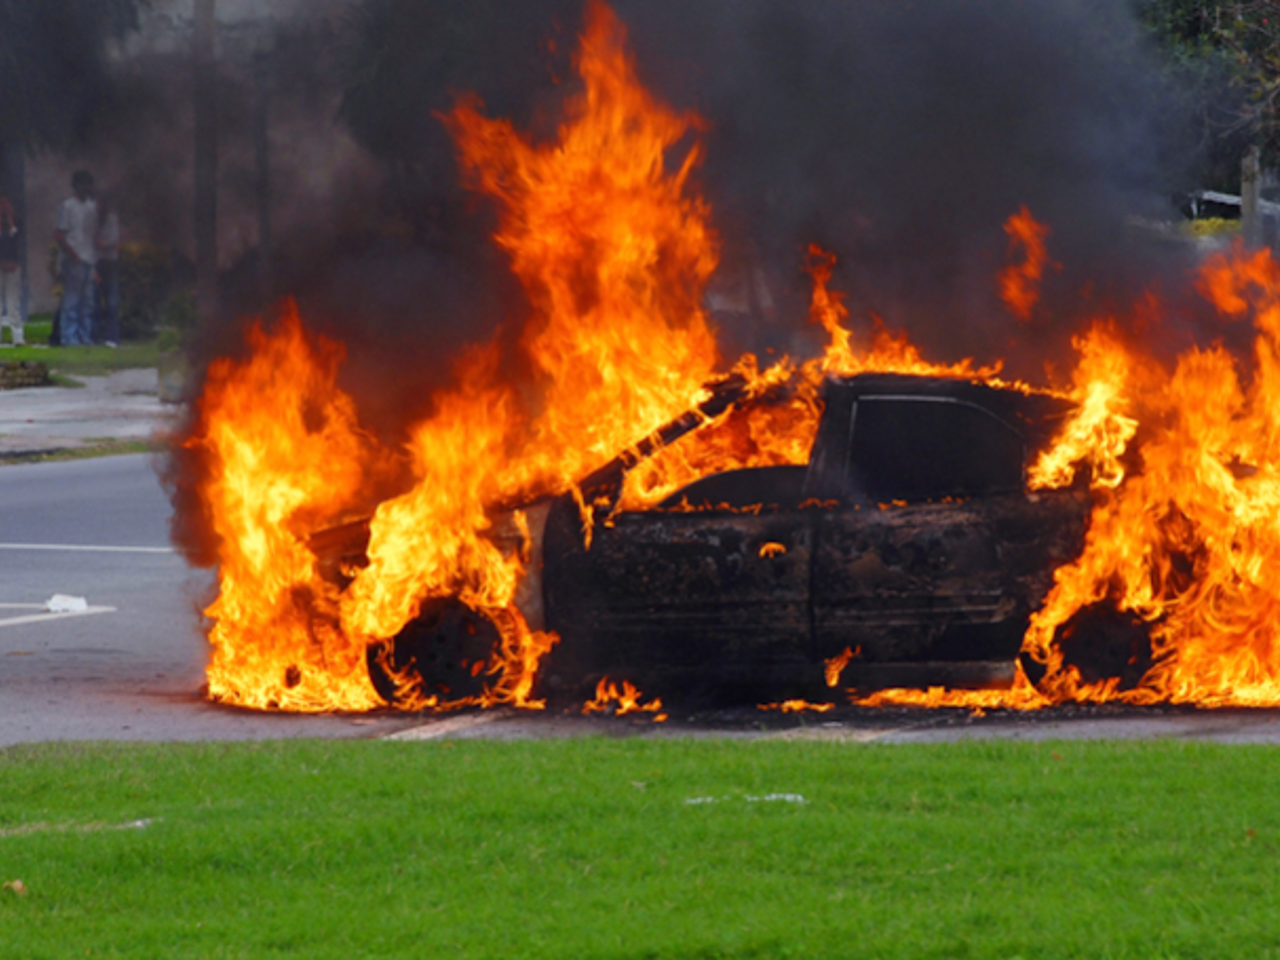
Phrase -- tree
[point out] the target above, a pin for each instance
(1226, 54)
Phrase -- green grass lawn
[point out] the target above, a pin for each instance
(592, 849)
(78, 361)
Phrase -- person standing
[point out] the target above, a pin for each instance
(108, 269)
(10, 274)
(76, 235)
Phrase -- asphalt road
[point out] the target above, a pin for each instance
(131, 666)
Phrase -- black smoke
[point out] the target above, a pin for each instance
(901, 135)
(898, 134)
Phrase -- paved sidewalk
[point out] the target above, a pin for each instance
(121, 406)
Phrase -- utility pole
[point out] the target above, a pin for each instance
(205, 90)
(262, 162)
(1250, 194)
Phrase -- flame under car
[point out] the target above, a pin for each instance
(909, 539)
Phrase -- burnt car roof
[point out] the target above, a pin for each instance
(1035, 416)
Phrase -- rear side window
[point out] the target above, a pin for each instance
(908, 448)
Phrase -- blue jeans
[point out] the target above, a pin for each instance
(77, 303)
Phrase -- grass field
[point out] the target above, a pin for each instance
(92, 448)
(607, 848)
(79, 361)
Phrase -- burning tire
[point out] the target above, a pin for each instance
(443, 653)
(1102, 643)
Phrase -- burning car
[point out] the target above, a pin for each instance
(865, 519)
(907, 550)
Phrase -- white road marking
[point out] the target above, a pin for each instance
(443, 728)
(45, 616)
(842, 734)
(83, 548)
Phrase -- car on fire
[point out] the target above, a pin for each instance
(909, 546)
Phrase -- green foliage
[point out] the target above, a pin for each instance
(1205, 77)
(1228, 53)
(53, 262)
(1211, 227)
(84, 361)
(179, 320)
(152, 294)
(591, 848)
(147, 289)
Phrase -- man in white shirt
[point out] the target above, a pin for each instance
(76, 234)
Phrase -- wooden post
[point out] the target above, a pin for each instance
(206, 158)
(262, 161)
(1250, 194)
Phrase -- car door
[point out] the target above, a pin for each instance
(704, 600)
(936, 554)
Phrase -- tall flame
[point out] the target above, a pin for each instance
(286, 456)
(614, 252)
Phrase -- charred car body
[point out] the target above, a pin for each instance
(909, 539)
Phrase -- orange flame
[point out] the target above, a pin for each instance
(620, 703)
(797, 706)
(1191, 542)
(1099, 432)
(781, 433)
(1020, 282)
(286, 456)
(1189, 539)
(835, 666)
(614, 254)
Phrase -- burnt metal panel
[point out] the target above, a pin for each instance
(685, 600)
(939, 581)
(956, 674)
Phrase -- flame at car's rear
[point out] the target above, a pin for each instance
(614, 247)
(1185, 533)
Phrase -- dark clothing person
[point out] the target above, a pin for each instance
(107, 315)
